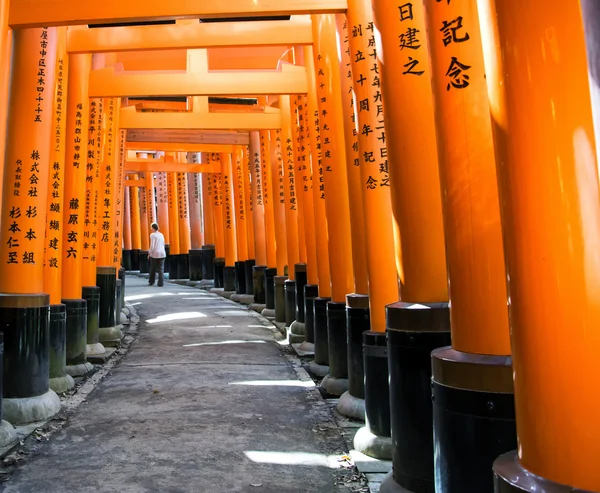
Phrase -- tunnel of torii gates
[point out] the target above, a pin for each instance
(410, 188)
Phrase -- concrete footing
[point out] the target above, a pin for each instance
(268, 313)
(318, 370)
(79, 370)
(366, 442)
(95, 349)
(59, 385)
(31, 409)
(206, 283)
(8, 434)
(334, 386)
(389, 485)
(218, 291)
(227, 294)
(257, 307)
(111, 336)
(305, 349)
(298, 328)
(244, 299)
(351, 406)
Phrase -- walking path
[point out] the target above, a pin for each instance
(204, 401)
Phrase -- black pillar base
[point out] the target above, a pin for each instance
(270, 274)
(76, 332)
(106, 280)
(483, 418)
(91, 294)
(58, 341)
(511, 477)
(258, 274)
(219, 266)
(301, 280)
(118, 304)
(173, 267)
(127, 264)
(240, 277)
(336, 382)
(279, 287)
(412, 334)
(184, 266)
(290, 302)
(250, 276)
(135, 260)
(144, 262)
(195, 259)
(208, 259)
(321, 337)
(311, 291)
(229, 278)
(167, 268)
(357, 322)
(121, 276)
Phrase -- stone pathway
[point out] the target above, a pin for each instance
(205, 401)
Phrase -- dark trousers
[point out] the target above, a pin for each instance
(157, 265)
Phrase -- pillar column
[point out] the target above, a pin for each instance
(548, 181)
(239, 188)
(24, 308)
(118, 206)
(478, 299)
(323, 290)
(267, 194)
(195, 203)
(228, 224)
(208, 248)
(74, 211)
(185, 240)
(259, 220)
(60, 381)
(127, 262)
(173, 211)
(336, 182)
(90, 291)
(150, 197)
(278, 186)
(162, 212)
(106, 272)
(219, 260)
(250, 201)
(136, 225)
(144, 262)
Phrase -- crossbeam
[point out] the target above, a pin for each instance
(296, 31)
(187, 137)
(178, 147)
(105, 83)
(173, 167)
(130, 118)
(134, 183)
(39, 13)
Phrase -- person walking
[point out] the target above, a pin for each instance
(157, 255)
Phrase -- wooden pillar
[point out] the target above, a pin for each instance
(278, 194)
(144, 218)
(267, 195)
(150, 197)
(314, 129)
(250, 200)
(185, 240)
(258, 209)
(127, 232)
(355, 185)
(162, 206)
(5, 60)
(195, 203)
(136, 225)
(334, 156)
(288, 127)
(239, 186)
(24, 308)
(207, 209)
(218, 209)
(228, 213)
(548, 179)
(173, 201)
(298, 152)
(475, 255)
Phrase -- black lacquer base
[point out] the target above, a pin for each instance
(311, 291)
(290, 302)
(301, 280)
(76, 331)
(208, 259)
(321, 337)
(91, 294)
(240, 277)
(258, 273)
(250, 276)
(195, 259)
(270, 274)
(219, 266)
(106, 280)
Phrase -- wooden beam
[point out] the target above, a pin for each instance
(296, 31)
(39, 13)
(178, 147)
(187, 136)
(176, 167)
(134, 183)
(129, 118)
(105, 83)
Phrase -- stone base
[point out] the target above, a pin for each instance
(304, 349)
(218, 291)
(100, 359)
(94, 349)
(8, 434)
(245, 299)
(123, 320)
(351, 407)
(31, 409)
(79, 370)
(192, 284)
(62, 384)
(206, 283)
(317, 370)
(268, 313)
(372, 445)
(389, 485)
(298, 328)
(257, 307)
(227, 294)
(334, 386)
(295, 338)
(111, 336)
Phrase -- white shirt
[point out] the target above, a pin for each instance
(157, 245)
